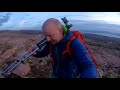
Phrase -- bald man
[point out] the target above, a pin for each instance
(80, 65)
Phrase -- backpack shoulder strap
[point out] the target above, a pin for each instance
(68, 48)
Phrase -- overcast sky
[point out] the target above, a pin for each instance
(34, 20)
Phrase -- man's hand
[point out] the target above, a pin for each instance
(31, 49)
(34, 54)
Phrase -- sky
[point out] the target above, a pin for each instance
(34, 20)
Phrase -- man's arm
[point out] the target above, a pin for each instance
(84, 63)
(44, 52)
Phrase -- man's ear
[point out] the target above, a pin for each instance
(61, 31)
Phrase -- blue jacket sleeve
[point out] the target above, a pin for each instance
(81, 58)
(44, 52)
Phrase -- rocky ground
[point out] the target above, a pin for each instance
(105, 50)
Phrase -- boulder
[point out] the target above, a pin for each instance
(22, 70)
(8, 53)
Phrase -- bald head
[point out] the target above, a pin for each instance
(52, 22)
(52, 30)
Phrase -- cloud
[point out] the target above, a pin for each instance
(4, 17)
(97, 25)
(67, 16)
(22, 23)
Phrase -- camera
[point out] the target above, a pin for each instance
(68, 26)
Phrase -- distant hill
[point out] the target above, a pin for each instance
(27, 32)
(102, 32)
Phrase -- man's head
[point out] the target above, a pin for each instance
(52, 30)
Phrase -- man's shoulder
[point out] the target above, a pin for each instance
(76, 43)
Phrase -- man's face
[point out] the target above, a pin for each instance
(52, 35)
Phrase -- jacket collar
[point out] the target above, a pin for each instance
(66, 38)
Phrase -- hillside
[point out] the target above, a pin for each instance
(105, 50)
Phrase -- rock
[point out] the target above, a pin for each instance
(1, 76)
(100, 72)
(0, 72)
(8, 53)
(0, 52)
(44, 61)
(22, 70)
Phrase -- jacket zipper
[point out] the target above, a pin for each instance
(57, 59)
